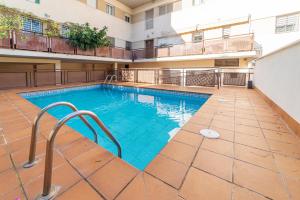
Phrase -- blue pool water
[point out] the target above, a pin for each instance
(142, 120)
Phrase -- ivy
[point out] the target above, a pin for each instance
(85, 37)
(10, 20)
(52, 28)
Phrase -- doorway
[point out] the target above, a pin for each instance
(149, 48)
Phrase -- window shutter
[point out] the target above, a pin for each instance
(113, 10)
(287, 23)
(37, 1)
(36, 26)
(26, 24)
(170, 8)
(281, 21)
(149, 19)
(197, 2)
(226, 32)
(162, 10)
(292, 19)
(198, 36)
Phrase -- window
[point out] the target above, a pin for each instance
(127, 19)
(35, 1)
(226, 32)
(165, 9)
(198, 36)
(128, 45)
(110, 9)
(149, 19)
(197, 2)
(112, 41)
(163, 42)
(287, 23)
(227, 63)
(32, 25)
(92, 3)
(64, 31)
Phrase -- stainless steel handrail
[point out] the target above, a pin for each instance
(35, 128)
(47, 192)
(106, 78)
(111, 78)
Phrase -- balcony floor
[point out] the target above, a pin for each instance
(257, 156)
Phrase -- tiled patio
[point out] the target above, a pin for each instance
(257, 156)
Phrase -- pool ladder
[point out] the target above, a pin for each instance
(109, 78)
(49, 191)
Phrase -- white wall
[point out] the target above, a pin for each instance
(77, 12)
(262, 13)
(265, 36)
(277, 75)
(212, 12)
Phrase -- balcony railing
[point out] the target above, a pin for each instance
(38, 42)
(237, 43)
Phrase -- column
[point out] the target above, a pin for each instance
(116, 70)
(58, 73)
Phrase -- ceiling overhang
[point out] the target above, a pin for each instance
(134, 3)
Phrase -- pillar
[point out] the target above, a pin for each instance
(58, 73)
(116, 70)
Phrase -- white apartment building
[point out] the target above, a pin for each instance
(158, 34)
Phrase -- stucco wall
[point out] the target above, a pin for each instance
(183, 64)
(216, 12)
(77, 12)
(277, 75)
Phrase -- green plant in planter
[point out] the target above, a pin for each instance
(85, 37)
(10, 20)
(52, 28)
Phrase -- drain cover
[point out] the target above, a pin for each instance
(209, 133)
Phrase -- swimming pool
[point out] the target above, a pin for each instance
(142, 120)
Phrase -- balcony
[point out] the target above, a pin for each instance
(239, 43)
(38, 42)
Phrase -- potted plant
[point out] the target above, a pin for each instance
(86, 39)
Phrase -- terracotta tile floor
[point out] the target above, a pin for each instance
(256, 158)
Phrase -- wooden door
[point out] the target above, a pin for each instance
(149, 48)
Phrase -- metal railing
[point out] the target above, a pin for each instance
(237, 43)
(25, 40)
(48, 191)
(35, 129)
(109, 78)
(208, 77)
(112, 77)
(39, 42)
(106, 78)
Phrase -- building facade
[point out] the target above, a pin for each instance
(166, 34)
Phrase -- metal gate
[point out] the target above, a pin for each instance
(234, 78)
(201, 78)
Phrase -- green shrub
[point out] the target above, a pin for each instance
(85, 37)
(10, 20)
